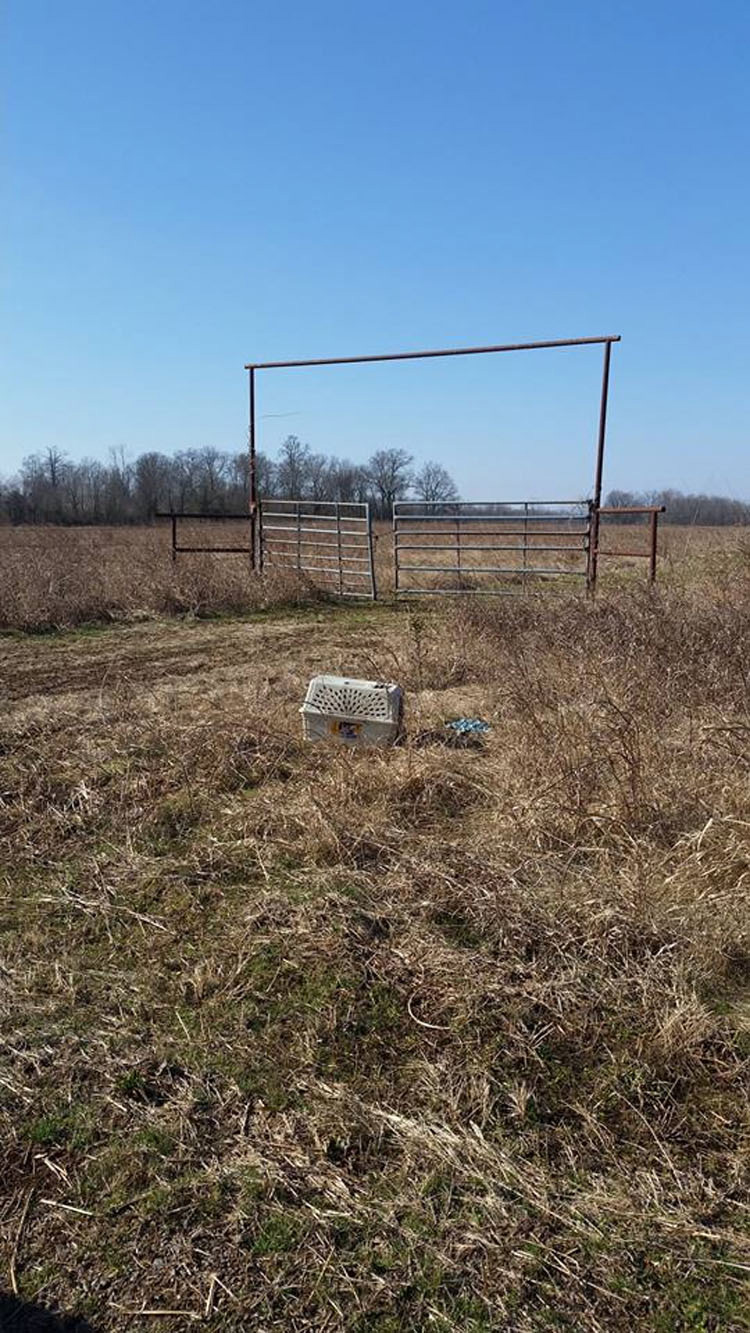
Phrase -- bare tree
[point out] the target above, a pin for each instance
(54, 466)
(213, 474)
(118, 493)
(292, 469)
(94, 483)
(41, 479)
(150, 473)
(435, 484)
(348, 481)
(319, 477)
(388, 473)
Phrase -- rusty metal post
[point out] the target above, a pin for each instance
(601, 437)
(174, 539)
(253, 478)
(588, 546)
(652, 546)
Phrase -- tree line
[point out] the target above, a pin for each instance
(703, 510)
(51, 488)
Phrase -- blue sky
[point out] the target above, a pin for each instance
(193, 185)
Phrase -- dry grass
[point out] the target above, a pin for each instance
(297, 1038)
(62, 577)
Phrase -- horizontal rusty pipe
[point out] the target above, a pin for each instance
(442, 351)
(633, 509)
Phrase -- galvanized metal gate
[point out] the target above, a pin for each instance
(488, 547)
(331, 541)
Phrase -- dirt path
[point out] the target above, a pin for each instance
(39, 675)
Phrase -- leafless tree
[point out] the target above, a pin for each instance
(54, 465)
(434, 484)
(389, 475)
(292, 468)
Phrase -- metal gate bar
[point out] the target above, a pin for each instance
(653, 512)
(329, 538)
(565, 531)
(193, 517)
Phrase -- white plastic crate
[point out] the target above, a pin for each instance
(353, 712)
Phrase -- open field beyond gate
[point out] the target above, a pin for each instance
(56, 577)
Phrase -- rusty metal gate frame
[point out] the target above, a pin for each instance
(652, 512)
(606, 341)
(454, 515)
(328, 538)
(413, 518)
(174, 515)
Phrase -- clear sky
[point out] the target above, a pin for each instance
(193, 184)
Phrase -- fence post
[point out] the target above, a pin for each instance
(298, 519)
(174, 539)
(590, 537)
(595, 516)
(253, 476)
(652, 548)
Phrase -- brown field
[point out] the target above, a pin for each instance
(62, 577)
(298, 1038)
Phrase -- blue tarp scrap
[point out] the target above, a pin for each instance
(467, 725)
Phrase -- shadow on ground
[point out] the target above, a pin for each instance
(24, 1317)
